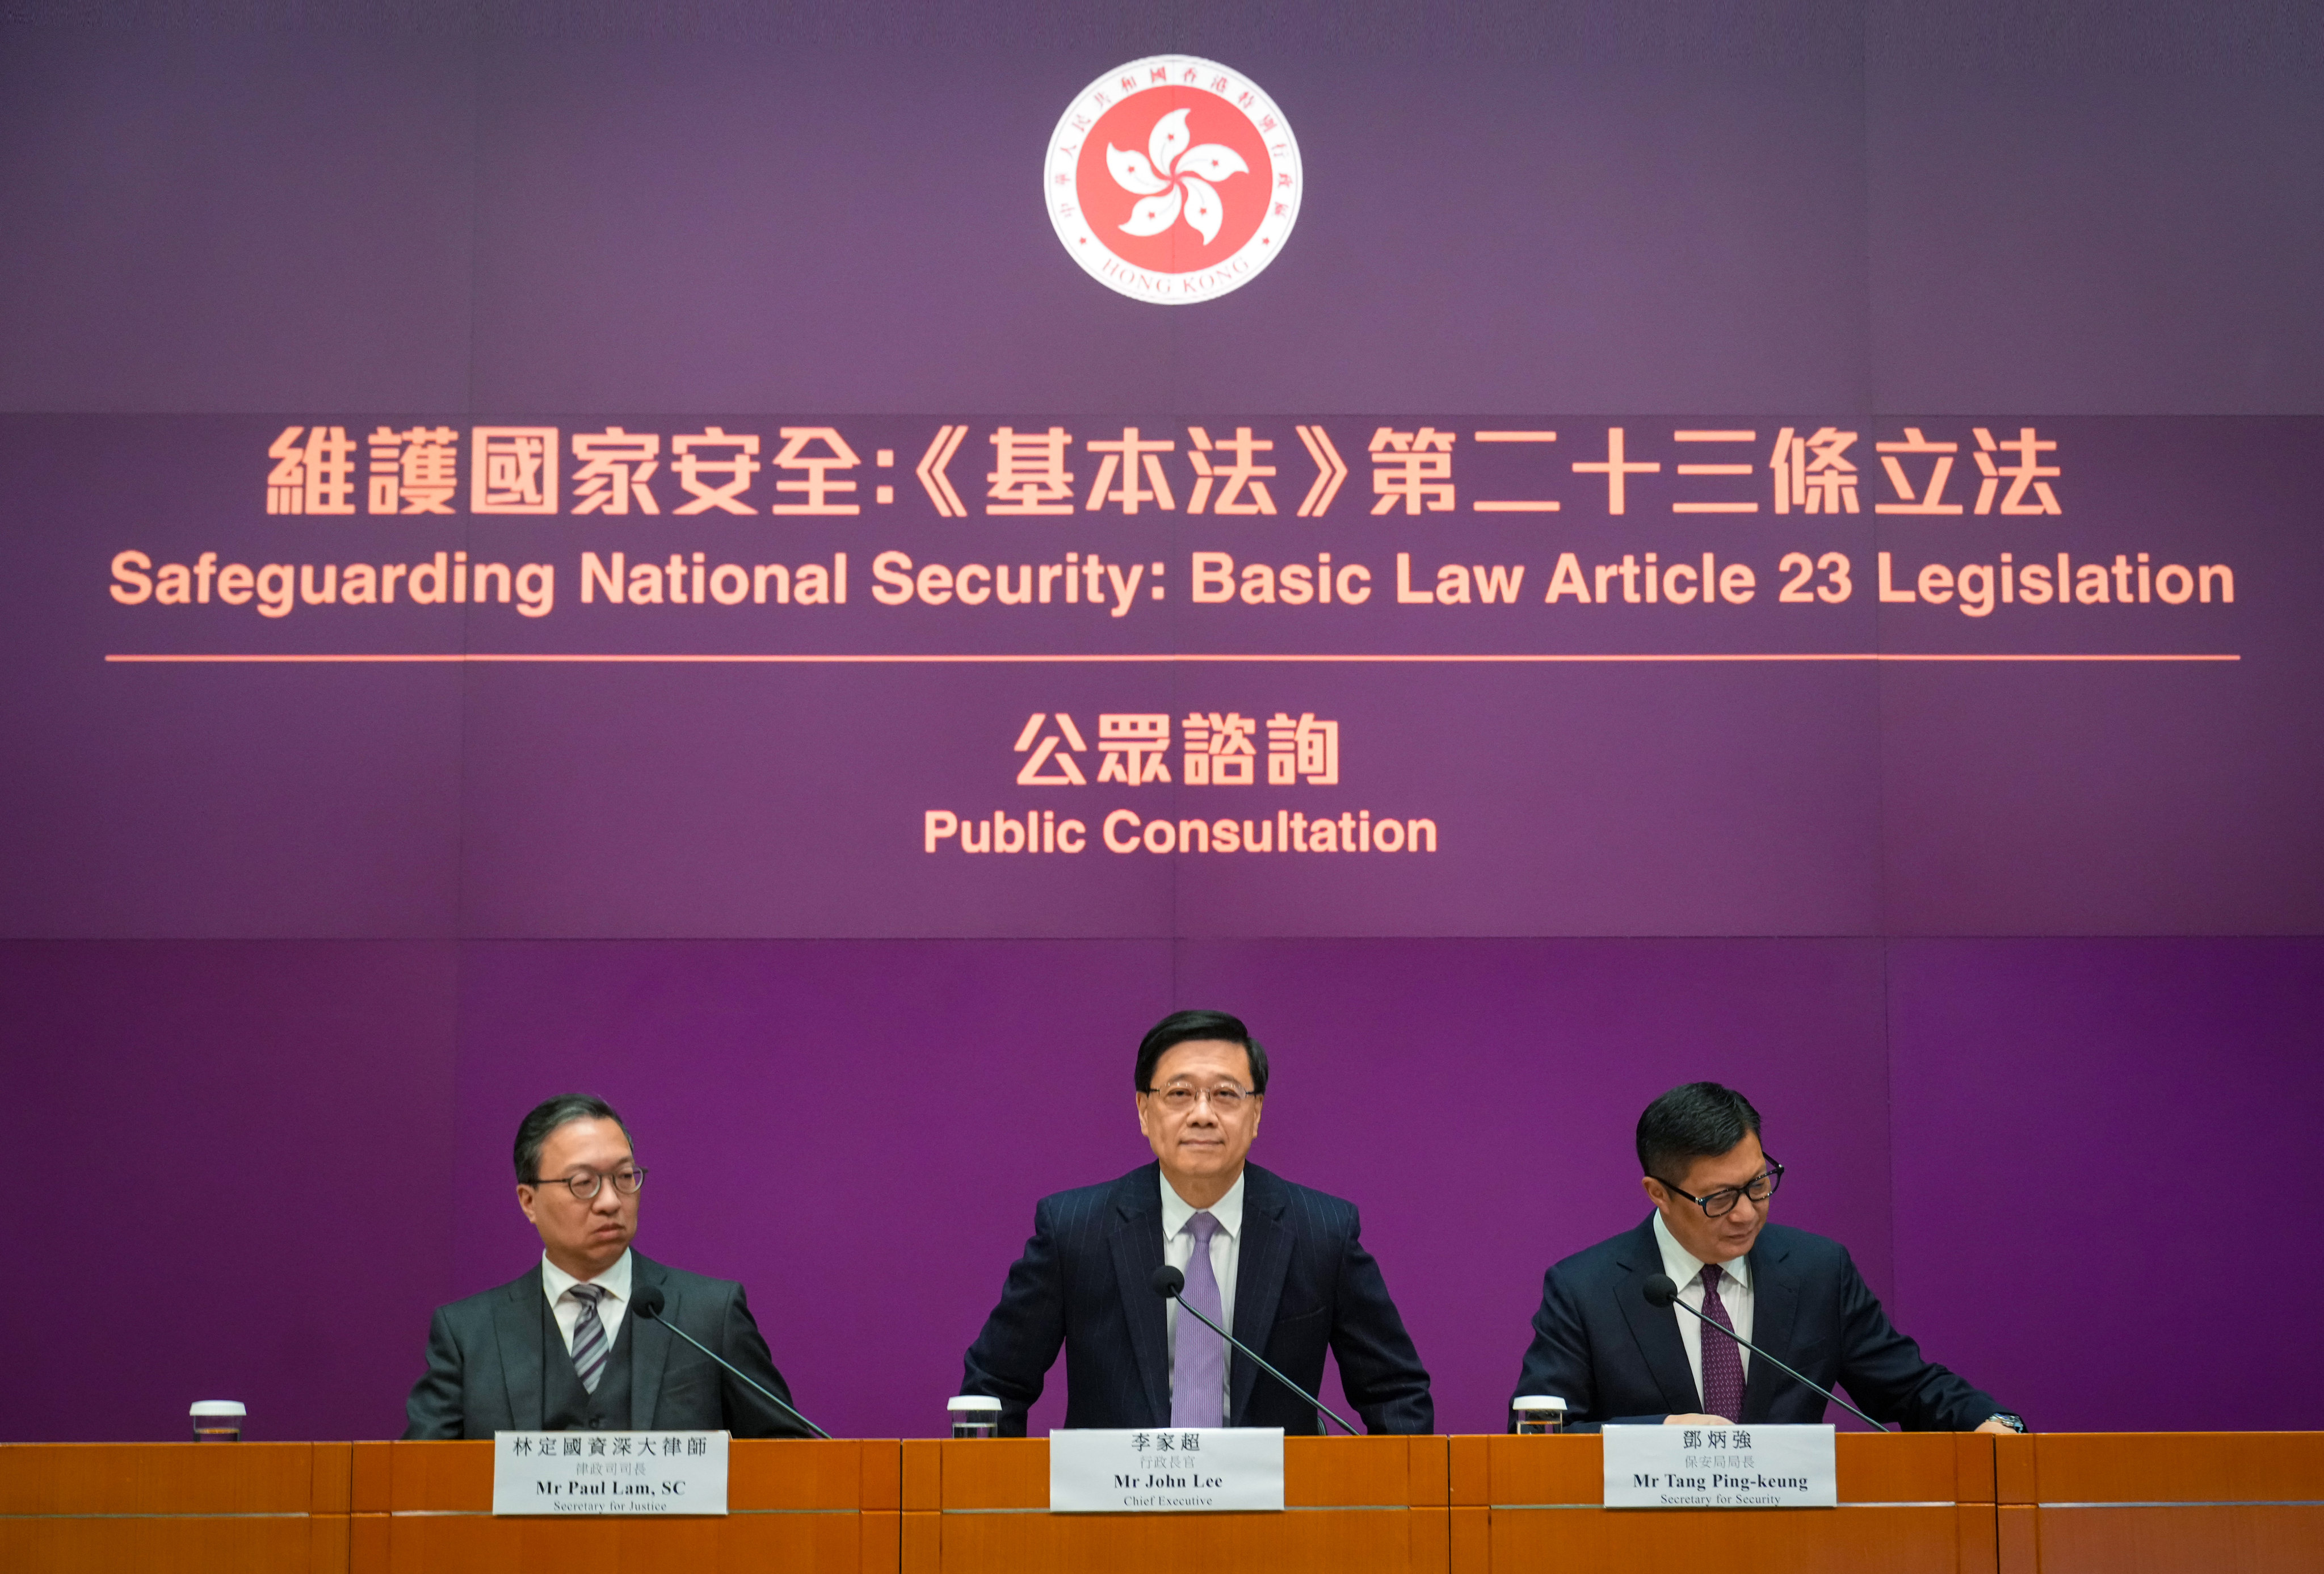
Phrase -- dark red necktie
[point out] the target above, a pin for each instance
(1723, 1358)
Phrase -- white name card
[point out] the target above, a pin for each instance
(1202, 1470)
(575, 1473)
(1740, 1467)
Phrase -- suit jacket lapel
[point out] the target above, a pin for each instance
(1137, 1241)
(1262, 1258)
(1775, 1314)
(650, 1341)
(1655, 1328)
(516, 1329)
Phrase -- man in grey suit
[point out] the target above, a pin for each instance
(556, 1350)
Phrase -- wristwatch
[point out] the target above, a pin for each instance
(2016, 1423)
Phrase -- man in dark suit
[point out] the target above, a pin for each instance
(1614, 1358)
(556, 1350)
(1278, 1264)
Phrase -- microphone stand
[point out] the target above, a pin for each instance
(1739, 1338)
(1321, 1408)
(654, 1315)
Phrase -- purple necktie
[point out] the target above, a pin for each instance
(1722, 1359)
(1199, 1375)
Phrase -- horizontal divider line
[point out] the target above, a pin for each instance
(192, 1513)
(1294, 1507)
(897, 659)
(487, 1514)
(1931, 1503)
(2215, 1502)
(1287, 1508)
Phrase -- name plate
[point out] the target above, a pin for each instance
(575, 1473)
(1202, 1470)
(1753, 1466)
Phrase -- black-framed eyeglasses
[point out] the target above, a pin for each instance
(1719, 1204)
(589, 1182)
(1180, 1099)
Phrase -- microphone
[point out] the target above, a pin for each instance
(1661, 1291)
(646, 1300)
(1169, 1282)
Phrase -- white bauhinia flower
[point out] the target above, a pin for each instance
(1173, 181)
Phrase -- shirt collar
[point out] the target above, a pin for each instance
(1228, 1209)
(1684, 1267)
(615, 1280)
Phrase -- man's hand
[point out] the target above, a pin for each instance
(1697, 1420)
(1997, 1425)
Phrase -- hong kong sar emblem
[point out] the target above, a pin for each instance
(1173, 180)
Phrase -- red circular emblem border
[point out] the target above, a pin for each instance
(1063, 171)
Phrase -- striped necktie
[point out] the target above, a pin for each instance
(590, 1346)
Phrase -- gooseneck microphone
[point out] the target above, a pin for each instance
(1661, 1291)
(646, 1300)
(1169, 1282)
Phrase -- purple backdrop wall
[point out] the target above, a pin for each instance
(282, 1138)
(281, 959)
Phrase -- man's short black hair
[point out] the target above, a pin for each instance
(532, 1134)
(1182, 1027)
(1699, 1120)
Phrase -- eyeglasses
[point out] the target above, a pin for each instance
(589, 1182)
(1180, 1099)
(1719, 1204)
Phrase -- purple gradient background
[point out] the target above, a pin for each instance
(2023, 966)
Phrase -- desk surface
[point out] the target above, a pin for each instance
(2159, 1503)
(1912, 1504)
(2056, 1503)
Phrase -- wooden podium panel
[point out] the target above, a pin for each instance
(2240, 1503)
(1350, 1503)
(97, 1508)
(827, 1507)
(1919, 1503)
(2162, 1503)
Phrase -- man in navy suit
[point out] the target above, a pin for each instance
(1613, 1357)
(1278, 1264)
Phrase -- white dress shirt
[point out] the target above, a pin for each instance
(1685, 1270)
(1226, 1248)
(615, 1283)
